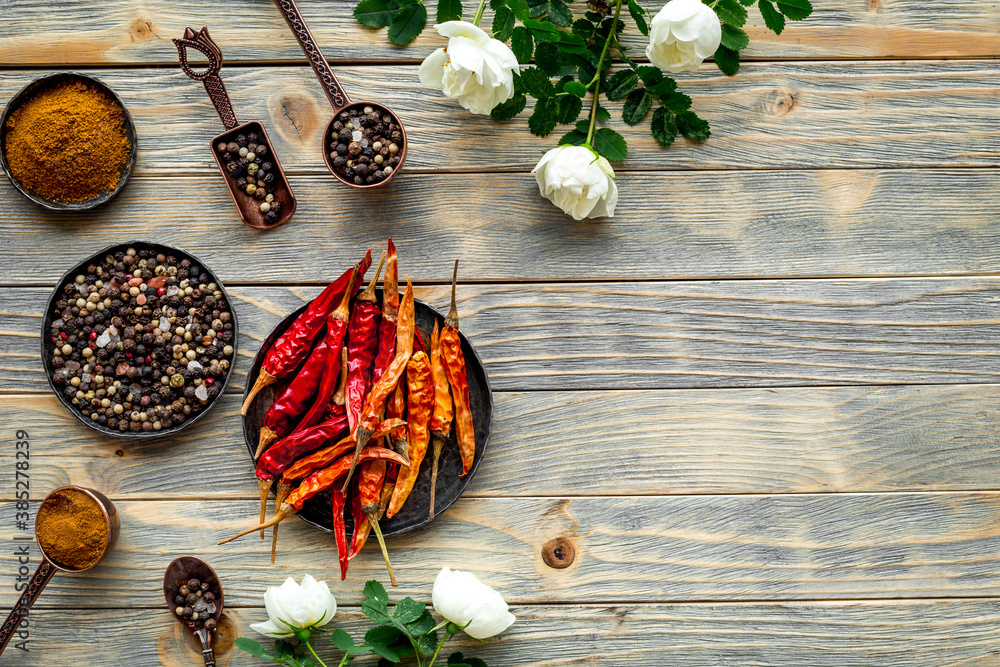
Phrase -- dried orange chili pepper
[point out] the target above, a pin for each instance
(324, 457)
(369, 494)
(314, 484)
(294, 345)
(454, 368)
(419, 404)
(362, 344)
(444, 411)
(390, 312)
(380, 391)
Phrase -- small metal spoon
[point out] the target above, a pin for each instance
(188, 567)
(47, 568)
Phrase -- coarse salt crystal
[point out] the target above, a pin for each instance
(201, 393)
(357, 135)
(103, 339)
(164, 323)
(194, 366)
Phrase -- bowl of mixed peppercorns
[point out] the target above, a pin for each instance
(139, 340)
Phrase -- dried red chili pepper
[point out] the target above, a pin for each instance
(369, 493)
(336, 337)
(454, 368)
(321, 458)
(293, 346)
(419, 404)
(444, 411)
(297, 398)
(362, 344)
(421, 341)
(390, 312)
(338, 404)
(314, 484)
(338, 499)
(361, 528)
(380, 391)
(284, 453)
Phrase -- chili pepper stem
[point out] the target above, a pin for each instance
(339, 397)
(263, 380)
(282, 514)
(452, 319)
(362, 436)
(371, 512)
(267, 436)
(439, 440)
(369, 293)
(282, 493)
(265, 486)
(402, 448)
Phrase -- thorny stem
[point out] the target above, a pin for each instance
(479, 13)
(612, 35)
(309, 646)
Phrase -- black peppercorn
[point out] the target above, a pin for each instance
(241, 140)
(262, 151)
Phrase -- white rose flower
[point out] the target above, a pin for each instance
(292, 607)
(682, 35)
(474, 69)
(462, 599)
(578, 181)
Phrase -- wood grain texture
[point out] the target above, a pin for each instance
(660, 335)
(130, 31)
(629, 550)
(837, 634)
(774, 115)
(844, 439)
(829, 223)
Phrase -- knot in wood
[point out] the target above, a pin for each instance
(558, 553)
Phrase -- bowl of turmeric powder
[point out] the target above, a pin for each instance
(67, 142)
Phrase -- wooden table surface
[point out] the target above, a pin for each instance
(761, 401)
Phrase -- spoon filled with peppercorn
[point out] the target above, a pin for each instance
(194, 596)
(364, 144)
(243, 152)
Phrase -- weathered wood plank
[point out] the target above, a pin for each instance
(660, 335)
(131, 31)
(791, 115)
(628, 549)
(838, 634)
(843, 439)
(691, 225)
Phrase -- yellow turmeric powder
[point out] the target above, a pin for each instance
(68, 143)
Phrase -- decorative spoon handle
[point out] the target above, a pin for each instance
(41, 577)
(334, 91)
(216, 89)
(207, 650)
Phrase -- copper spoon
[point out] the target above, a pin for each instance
(47, 568)
(187, 567)
(247, 205)
(335, 92)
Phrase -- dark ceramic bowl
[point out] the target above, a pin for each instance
(30, 91)
(318, 511)
(48, 346)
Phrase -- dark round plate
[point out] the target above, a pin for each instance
(318, 511)
(32, 89)
(48, 346)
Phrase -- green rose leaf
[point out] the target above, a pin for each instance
(386, 652)
(342, 640)
(408, 610)
(676, 102)
(574, 138)
(496, 4)
(449, 10)
(772, 17)
(375, 591)
(543, 120)
(522, 44)
(650, 75)
(520, 9)
(426, 643)
(547, 58)
(734, 38)
(727, 60)
(536, 83)
(692, 127)
(663, 127)
(503, 24)
(570, 107)
(560, 14)
(408, 22)
(541, 31)
(252, 647)
(795, 9)
(459, 660)
(380, 634)
(375, 13)
(610, 144)
(637, 105)
(575, 88)
(510, 108)
(583, 28)
(639, 16)
(621, 84)
(422, 625)
(731, 13)
(375, 610)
